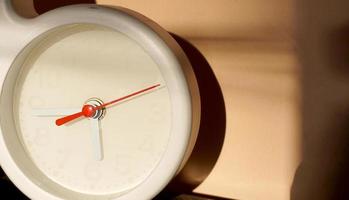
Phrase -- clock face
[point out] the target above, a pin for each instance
(90, 64)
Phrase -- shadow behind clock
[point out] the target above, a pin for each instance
(211, 131)
(8, 190)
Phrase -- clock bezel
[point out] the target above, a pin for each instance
(182, 87)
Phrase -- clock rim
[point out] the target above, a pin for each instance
(183, 143)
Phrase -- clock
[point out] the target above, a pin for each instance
(96, 103)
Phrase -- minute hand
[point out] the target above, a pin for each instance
(88, 109)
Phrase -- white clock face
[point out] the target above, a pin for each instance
(106, 156)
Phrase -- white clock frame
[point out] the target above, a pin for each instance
(17, 33)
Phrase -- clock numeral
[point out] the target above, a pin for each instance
(92, 172)
(42, 137)
(36, 101)
(48, 80)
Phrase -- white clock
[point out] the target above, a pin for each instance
(96, 103)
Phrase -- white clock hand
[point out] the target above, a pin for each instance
(95, 125)
(50, 112)
(97, 138)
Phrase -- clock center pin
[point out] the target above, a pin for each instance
(89, 108)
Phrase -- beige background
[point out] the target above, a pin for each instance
(250, 46)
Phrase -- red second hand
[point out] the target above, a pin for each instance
(88, 110)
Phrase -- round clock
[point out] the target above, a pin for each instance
(96, 103)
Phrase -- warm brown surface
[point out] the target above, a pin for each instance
(323, 48)
(249, 45)
(212, 19)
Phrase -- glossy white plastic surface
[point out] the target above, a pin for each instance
(16, 35)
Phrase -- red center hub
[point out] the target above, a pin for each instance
(88, 110)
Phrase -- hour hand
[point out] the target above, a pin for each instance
(97, 138)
